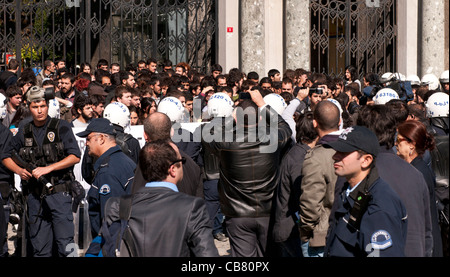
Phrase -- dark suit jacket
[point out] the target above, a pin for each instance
(165, 223)
(410, 185)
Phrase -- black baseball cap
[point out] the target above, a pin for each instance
(98, 125)
(356, 138)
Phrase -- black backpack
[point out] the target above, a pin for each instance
(121, 140)
(440, 165)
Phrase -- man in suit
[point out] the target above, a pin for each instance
(163, 221)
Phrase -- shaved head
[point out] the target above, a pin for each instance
(327, 116)
(157, 126)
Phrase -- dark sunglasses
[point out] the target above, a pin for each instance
(182, 160)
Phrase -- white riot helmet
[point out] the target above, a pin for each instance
(414, 79)
(437, 105)
(385, 95)
(53, 108)
(399, 76)
(172, 107)
(118, 114)
(431, 80)
(386, 77)
(220, 105)
(444, 77)
(2, 106)
(338, 105)
(276, 102)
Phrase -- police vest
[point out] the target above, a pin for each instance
(51, 151)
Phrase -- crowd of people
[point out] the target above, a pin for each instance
(342, 166)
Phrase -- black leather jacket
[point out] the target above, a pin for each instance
(249, 167)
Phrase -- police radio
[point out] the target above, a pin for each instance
(359, 208)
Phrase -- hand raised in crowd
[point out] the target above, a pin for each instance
(303, 93)
(257, 98)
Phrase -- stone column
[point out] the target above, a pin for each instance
(274, 38)
(262, 36)
(432, 49)
(297, 34)
(253, 36)
(228, 26)
(407, 36)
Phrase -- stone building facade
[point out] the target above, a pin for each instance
(259, 35)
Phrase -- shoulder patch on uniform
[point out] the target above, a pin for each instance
(381, 240)
(105, 189)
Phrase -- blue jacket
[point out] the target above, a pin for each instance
(382, 232)
(114, 173)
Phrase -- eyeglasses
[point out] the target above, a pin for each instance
(182, 160)
(89, 138)
(399, 140)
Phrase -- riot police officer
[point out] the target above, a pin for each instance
(43, 154)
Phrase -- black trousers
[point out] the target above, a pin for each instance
(248, 236)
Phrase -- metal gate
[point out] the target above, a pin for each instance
(361, 33)
(121, 31)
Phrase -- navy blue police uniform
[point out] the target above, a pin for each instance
(50, 218)
(6, 188)
(113, 174)
(382, 229)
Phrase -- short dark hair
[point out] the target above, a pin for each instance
(47, 63)
(265, 80)
(12, 91)
(13, 64)
(379, 120)
(155, 159)
(273, 72)
(151, 60)
(305, 131)
(287, 81)
(100, 73)
(69, 76)
(102, 62)
(81, 101)
(399, 109)
(247, 111)
(124, 75)
(216, 67)
(120, 90)
(253, 75)
(97, 99)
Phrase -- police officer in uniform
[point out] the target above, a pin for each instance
(49, 146)
(113, 170)
(370, 219)
(6, 182)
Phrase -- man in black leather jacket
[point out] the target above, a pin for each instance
(249, 150)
